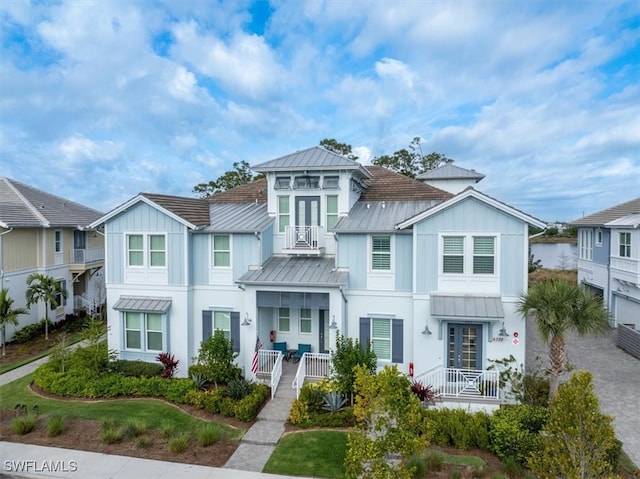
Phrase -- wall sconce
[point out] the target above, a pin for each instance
(426, 330)
(246, 321)
(503, 331)
(333, 324)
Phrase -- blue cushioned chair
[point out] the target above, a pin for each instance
(302, 348)
(282, 347)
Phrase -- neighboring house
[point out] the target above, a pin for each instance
(322, 245)
(43, 233)
(450, 178)
(609, 258)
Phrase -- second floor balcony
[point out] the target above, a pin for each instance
(85, 258)
(301, 239)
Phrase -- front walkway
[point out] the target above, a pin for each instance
(616, 378)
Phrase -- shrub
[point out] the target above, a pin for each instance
(217, 358)
(424, 393)
(135, 427)
(139, 369)
(55, 426)
(30, 331)
(23, 424)
(417, 466)
(199, 381)
(459, 428)
(238, 388)
(333, 402)
(111, 433)
(312, 394)
(167, 430)
(178, 443)
(247, 409)
(536, 390)
(227, 407)
(514, 431)
(207, 435)
(169, 364)
(348, 354)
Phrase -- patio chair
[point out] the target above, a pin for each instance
(282, 347)
(302, 348)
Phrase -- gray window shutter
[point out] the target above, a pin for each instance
(207, 324)
(397, 342)
(365, 332)
(235, 331)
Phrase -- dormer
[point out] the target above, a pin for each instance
(307, 191)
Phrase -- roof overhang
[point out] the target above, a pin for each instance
(147, 304)
(467, 307)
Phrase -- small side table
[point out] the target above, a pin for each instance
(290, 353)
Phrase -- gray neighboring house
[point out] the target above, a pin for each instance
(450, 178)
(609, 258)
(44, 233)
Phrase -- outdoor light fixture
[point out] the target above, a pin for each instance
(503, 331)
(426, 330)
(333, 324)
(246, 321)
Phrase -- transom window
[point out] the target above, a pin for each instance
(305, 320)
(625, 245)
(332, 211)
(381, 338)
(284, 320)
(143, 331)
(283, 182)
(381, 253)
(306, 182)
(283, 213)
(330, 182)
(221, 251)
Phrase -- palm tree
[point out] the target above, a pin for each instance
(47, 289)
(558, 306)
(8, 315)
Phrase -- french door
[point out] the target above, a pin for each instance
(465, 346)
(307, 221)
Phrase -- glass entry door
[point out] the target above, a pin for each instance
(307, 221)
(465, 346)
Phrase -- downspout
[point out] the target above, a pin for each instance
(2, 258)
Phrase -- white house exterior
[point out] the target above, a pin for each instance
(321, 245)
(609, 258)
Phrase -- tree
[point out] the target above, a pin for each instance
(240, 175)
(343, 149)
(217, 358)
(45, 288)
(558, 306)
(412, 162)
(391, 426)
(348, 354)
(8, 314)
(577, 440)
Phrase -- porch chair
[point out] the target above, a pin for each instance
(302, 348)
(282, 347)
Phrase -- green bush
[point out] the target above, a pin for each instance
(178, 443)
(135, 427)
(23, 424)
(218, 359)
(239, 388)
(207, 435)
(247, 409)
(312, 394)
(227, 407)
(536, 390)
(341, 418)
(459, 428)
(55, 426)
(135, 368)
(514, 431)
(111, 432)
(30, 331)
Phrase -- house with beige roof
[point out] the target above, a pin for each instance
(44, 233)
(321, 246)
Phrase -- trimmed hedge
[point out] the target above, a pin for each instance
(216, 401)
(459, 428)
(135, 368)
(515, 431)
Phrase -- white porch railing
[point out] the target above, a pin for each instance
(304, 238)
(270, 365)
(84, 301)
(87, 255)
(312, 366)
(461, 383)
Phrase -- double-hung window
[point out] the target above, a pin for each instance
(381, 253)
(284, 320)
(483, 255)
(61, 298)
(332, 211)
(157, 251)
(305, 320)
(222, 321)
(469, 254)
(143, 331)
(135, 250)
(58, 241)
(453, 254)
(283, 213)
(221, 251)
(625, 245)
(381, 338)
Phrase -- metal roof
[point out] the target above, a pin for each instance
(147, 304)
(25, 206)
(238, 217)
(630, 221)
(380, 216)
(315, 158)
(296, 271)
(450, 172)
(600, 218)
(476, 307)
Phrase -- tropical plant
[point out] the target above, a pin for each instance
(8, 314)
(334, 402)
(44, 288)
(558, 306)
(169, 364)
(425, 394)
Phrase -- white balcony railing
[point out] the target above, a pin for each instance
(87, 255)
(304, 238)
(311, 366)
(270, 368)
(461, 383)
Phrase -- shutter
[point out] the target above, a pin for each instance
(64, 296)
(397, 344)
(207, 324)
(365, 332)
(235, 331)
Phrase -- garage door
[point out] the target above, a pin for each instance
(627, 311)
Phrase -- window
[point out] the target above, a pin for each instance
(143, 331)
(332, 211)
(283, 213)
(599, 237)
(58, 241)
(221, 251)
(381, 253)
(305, 320)
(625, 245)
(222, 321)
(284, 320)
(330, 183)
(306, 182)
(453, 254)
(381, 338)
(135, 246)
(483, 255)
(283, 183)
(61, 299)
(157, 254)
(586, 244)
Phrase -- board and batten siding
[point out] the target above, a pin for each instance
(471, 216)
(266, 243)
(142, 218)
(353, 254)
(601, 253)
(403, 257)
(245, 252)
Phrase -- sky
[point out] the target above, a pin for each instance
(102, 100)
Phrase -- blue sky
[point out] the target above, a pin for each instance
(101, 100)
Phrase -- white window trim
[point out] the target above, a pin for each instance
(392, 248)
(467, 264)
(598, 237)
(300, 319)
(280, 213)
(146, 250)
(143, 332)
(58, 246)
(212, 253)
(326, 210)
(585, 244)
(629, 245)
(278, 316)
(213, 321)
(372, 339)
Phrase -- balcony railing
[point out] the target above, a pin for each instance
(270, 368)
(626, 268)
(312, 366)
(304, 239)
(87, 255)
(473, 384)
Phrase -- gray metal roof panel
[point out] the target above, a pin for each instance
(380, 216)
(297, 271)
(630, 221)
(143, 303)
(479, 307)
(450, 172)
(600, 218)
(238, 217)
(314, 158)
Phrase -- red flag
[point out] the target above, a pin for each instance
(254, 363)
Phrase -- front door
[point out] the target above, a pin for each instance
(323, 331)
(307, 218)
(465, 346)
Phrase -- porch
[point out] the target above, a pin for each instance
(273, 370)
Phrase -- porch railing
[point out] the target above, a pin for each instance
(312, 366)
(86, 302)
(87, 255)
(270, 366)
(304, 237)
(461, 383)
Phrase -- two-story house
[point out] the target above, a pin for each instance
(47, 234)
(321, 245)
(609, 258)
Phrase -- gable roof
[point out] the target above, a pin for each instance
(600, 218)
(315, 158)
(450, 172)
(470, 192)
(238, 217)
(387, 185)
(380, 216)
(22, 205)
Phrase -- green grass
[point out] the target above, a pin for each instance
(72, 339)
(458, 460)
(312, 453)
(152, 412)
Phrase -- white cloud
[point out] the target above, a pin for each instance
(77, 148)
